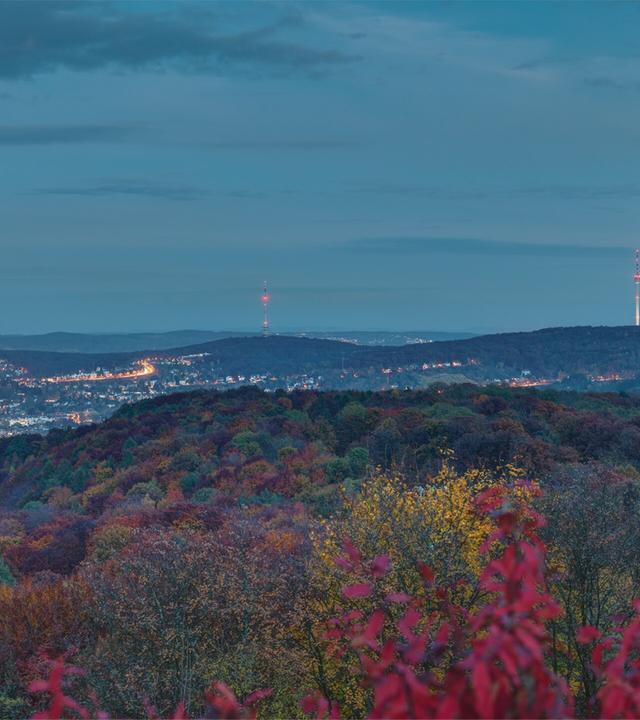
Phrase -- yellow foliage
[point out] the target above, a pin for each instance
(104, 482)
(103, 488)
(188, 523)
(434, 523)
(108, 541)
(11, 533)
(420, 524)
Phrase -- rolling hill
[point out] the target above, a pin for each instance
(552, 353)
(67, 342)
(131, 342)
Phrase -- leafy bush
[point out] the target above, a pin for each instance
(425, 656)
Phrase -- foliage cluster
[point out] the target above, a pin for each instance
(192, 538)
(430, 657)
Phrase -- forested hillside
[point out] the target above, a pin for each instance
(553, 354)
(193, 537)
(246, 442)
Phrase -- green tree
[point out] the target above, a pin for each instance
(6, 578)
(336, 470)
(358, 459)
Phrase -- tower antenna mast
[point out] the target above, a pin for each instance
(265, 307)
(636, 279)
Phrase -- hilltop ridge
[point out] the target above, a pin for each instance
(546, 352)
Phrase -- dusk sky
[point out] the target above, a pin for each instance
(400, 166)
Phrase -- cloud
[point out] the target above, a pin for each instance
(430, 47)
(61, 134)
(563, 192)
(421, 191)
(474, 246)
(149, 189)
(39, 37)
(127, 187)
(600, 81)
(302, 144)
(579, 192)
(241, 194)
(602, 72)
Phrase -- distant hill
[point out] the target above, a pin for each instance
(546, 353)
(276, 353)
(41, 363)
(134, 342)
(280, 354)
(110, 342)
(549, 353)
(385, 338)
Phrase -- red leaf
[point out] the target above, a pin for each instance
(372, 630)
(351, 551)
(426, 572)
(398, 597)
(258, 695)
(482, 689)
(587, 634)
(179, 713)
(380, 566)
(359, 590)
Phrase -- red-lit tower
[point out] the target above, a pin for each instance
(636, 279)
(265, 306)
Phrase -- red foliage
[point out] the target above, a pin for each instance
(446, 662)
(617, 666)
(54, 685)
(220, 701)
(434, 659)
(57, 546)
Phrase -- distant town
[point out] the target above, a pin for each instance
(33, 402)
(37, 404)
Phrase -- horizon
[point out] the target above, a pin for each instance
(286, 332)
(454, 165)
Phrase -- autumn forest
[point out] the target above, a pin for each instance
(320, 547)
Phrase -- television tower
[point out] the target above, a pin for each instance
(636, 279)
(265, 306)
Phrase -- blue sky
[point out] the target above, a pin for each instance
(450, 166)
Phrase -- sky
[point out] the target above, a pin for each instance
(385, 166)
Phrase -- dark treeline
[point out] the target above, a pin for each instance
(553, 353)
